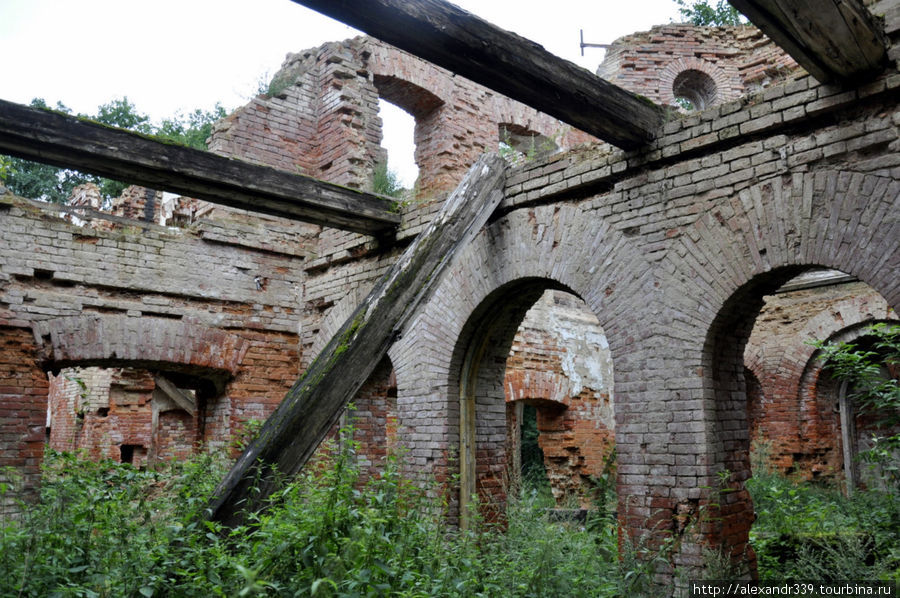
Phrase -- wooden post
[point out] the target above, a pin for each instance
(505, 62)
(291, 434)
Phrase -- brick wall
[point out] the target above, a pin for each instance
(672, 247)
(559, 362)
(794, 405)
(84, 295)
(705, 65)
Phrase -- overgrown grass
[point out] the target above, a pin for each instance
(107, 529)
(807, 531)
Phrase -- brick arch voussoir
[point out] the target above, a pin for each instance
(846, 315)
(829, 218)
(562, 244)
(107, 338)
(387, 61)
(728, 84)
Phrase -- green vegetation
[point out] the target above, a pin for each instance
(49, 183)
(871, 367)
(705, 13)
(107, 529)
(386, 181)
(807, 532)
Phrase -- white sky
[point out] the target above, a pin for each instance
(177, 55)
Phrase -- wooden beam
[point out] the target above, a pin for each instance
(70, 142)
(500, 60)
(312, 406)
(834, 40)
(180, 398)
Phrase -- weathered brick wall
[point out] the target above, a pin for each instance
(334, 90)
(672, 247)
(23, 413)
(559, 362)
(794, 411)
(705, 65)
(215, 303)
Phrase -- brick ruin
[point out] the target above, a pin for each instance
(639, 300)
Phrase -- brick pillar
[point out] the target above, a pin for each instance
(23, 410)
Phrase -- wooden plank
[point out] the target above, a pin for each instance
(834, 40)
(70, 142)
(514, 66)
(312, 406)
(181, 398)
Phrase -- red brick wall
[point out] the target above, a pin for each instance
(792, 403)
(559, 362)
(23, 408)
(737, 60)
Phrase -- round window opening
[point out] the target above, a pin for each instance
(694, 90)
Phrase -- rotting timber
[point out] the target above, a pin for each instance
(70, 142)
(313, 405)
(505, 62)
(834, 40)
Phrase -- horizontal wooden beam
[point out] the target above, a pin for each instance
(312, 406)
(500, 60)
(834, 40)
(70, 142)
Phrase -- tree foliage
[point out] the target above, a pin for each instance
(50, 183)
(705, 13)
(871, 373)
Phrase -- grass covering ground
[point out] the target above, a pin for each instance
(107, 529)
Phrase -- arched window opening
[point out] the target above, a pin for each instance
(398, 131)
(694, 90)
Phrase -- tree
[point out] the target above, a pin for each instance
(871, 371)
(702, 12)
(52, 184)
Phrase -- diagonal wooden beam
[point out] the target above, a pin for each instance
(452, 38)
(834, 40)
(70, 142)
(312, 406)
(181, 398)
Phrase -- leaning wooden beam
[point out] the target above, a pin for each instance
(312, 406)
(514, 66)
(70, 142)
(181, 398)
(834, 40)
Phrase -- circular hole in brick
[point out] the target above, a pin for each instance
(694, 90)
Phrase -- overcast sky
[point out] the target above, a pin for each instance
(177, 55)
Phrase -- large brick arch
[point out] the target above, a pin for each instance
(722, 265)
(499, 275)
(105, 339)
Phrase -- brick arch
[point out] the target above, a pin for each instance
(725, 89)
(102, 339)
(818, 392)
(739, 249)
(522, 253)
(787, 374)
